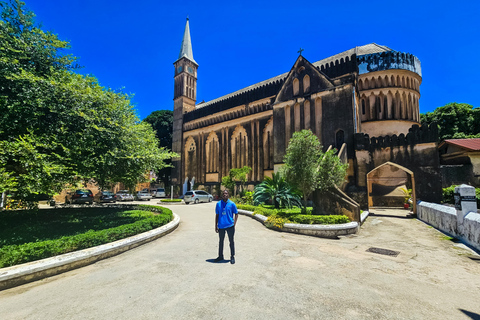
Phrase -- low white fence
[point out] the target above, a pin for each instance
(445, 219)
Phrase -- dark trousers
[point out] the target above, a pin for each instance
(221, 233)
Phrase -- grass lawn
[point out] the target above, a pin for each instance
(32, 235)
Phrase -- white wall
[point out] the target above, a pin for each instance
(444, 218)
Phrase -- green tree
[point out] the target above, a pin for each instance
(308, 168)
(240, 175)
(228, 183)
(236, 175)
(162, 122)
(278, 191)
(58, 127)
(455, 121)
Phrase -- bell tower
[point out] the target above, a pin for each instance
(184, 97)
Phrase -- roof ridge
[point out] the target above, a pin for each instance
(270, 80)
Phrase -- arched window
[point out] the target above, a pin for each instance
(212, 153)
(239, 147)
(268, 145)
(306, 114)
(190, 157)
(318, 118)
(306, 83)
(339, 139)
(296, 110)
(288, 124)
(296, 87)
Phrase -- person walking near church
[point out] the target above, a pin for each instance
(226, 216)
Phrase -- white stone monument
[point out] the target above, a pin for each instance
(465, 202)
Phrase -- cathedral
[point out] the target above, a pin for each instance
(363, 101)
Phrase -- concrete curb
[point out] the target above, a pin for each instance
(36, 270)
(317, 230)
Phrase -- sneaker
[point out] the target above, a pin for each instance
(218, 259)
(232, 260)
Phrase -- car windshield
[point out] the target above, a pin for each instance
(160, 190)
(123, 191)
(82, 191)
(188, 193)
(107, 193)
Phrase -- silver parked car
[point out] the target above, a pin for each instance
(124, 195)
(197, 196)
(143, 195)
(158, 193)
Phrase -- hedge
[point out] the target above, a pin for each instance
(278, 217)
(21, 253)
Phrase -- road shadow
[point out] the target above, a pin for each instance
(213, 261)
(406, 216)
(472, 315)
(391, 213)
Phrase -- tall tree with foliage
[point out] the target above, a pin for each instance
(308, 168)
(162, 122)
(455, 121)
(57, 126)
(236, 175)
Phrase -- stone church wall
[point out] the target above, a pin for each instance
(417, 152)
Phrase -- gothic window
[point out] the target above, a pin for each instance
(306, 114)
(296, 87)
(306, 83)
(318, 118)
(268, 145)
(287, 124)
(190, 157)
(239, 147)
(297, 117)
(212, 153)
(339, 139)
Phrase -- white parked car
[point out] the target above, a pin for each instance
(142, 195)
(197, 196)
(158, 193)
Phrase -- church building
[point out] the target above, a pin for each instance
(363, 101)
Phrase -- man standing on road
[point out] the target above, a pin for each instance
(226, 216)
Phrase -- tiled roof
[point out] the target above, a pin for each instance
(470, 144)
(371, 48)
(362, 50)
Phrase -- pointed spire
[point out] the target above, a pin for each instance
(186, 49)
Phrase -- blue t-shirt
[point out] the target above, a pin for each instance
(225, 212)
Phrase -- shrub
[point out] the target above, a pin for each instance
(25, 252)
(171, 200)
(311, 219)
(447, 195)
(293, 215)
(275, 222)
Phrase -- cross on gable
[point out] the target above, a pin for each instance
(300, 51)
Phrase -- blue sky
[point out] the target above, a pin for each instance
(133, 44)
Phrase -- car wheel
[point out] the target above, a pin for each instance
(187, 202)
(209, 199)
(196, 201)
(148, 199)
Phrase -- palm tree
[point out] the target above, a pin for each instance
(278, 191)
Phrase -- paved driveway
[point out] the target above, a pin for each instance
(277, 275)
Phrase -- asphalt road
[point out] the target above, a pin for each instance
(277, 275)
